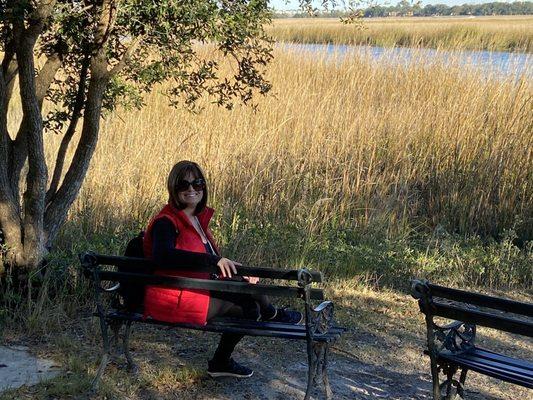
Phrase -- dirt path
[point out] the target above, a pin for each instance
(18, 367)
(286, 379)
(280, 372)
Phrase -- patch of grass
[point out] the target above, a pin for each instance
(169, 378)
(377, 260)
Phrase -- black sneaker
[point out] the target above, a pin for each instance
(287, 316)
(230, 368)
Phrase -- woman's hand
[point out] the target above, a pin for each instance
(251, 279)
(227, 267)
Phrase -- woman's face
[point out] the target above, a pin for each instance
(190, 191)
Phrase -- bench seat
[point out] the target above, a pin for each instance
(239, 326)
(498, 366)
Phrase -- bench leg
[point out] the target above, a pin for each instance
(115, 328)
(132, 367)
(105, 356)
(449, 382)
(311, 369)
(435, 380)
(452, 388)
(461, 387)
(318, 363)
(325, 379)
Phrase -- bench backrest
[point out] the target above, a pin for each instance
(474, 308)
(92, 264)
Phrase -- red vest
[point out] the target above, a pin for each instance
(171, 304)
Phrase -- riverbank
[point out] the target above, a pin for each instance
(499, 33)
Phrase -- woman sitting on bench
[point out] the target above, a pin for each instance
(183, 225)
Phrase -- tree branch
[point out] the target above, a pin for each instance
(10, 221)
(105, 23)
(46, 76)
(11, 74)
(126, 56)
(60, 202)
(9, 69)
(42, 11)
(19, 148)
(5, 141)
(17, 156)
(76, 114)
(9, 55)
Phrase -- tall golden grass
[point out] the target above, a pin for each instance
(352, 165)
(347, 142)
(513, 33)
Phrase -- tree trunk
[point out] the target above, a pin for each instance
(37, 176)
(9, 216)
(60, 202)
(29, 225)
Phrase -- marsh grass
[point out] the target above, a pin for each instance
(357, 168)
(513, 33)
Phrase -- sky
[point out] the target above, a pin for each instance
(293, 4)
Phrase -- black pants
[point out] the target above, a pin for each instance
(234, 305)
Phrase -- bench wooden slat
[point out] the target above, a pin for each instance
(482, 318)
(509, 366)
(489, 355)
(478, 299)
(227, 329)
(141, 263)
(268, 325)
(206, 284)
(492, 370)
(494, 373)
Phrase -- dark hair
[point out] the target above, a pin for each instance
(179, 172)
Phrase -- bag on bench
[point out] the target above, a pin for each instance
(133, 292)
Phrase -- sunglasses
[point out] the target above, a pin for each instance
(197, 184)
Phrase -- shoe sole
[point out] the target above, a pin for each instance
(228, 374)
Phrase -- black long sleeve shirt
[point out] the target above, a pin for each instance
(166, 256)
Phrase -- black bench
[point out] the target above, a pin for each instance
(319, 330)
(452, 347)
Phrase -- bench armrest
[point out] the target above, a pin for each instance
(320, 319)
(457, 337)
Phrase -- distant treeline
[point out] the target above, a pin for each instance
(406, 8)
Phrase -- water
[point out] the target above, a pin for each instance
(492, 63)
